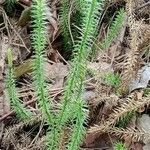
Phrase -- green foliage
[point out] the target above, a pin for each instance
(76, 22)
(65, 25)
(124, 120)
(9, 5)
(38, 42)
(147, 91)
(112, 79)
(78, 130)
(18, 107)
(82, 49)
(119, 146)
(73, 108)
(114, 29)
(79, 4)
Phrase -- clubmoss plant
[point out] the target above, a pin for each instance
(91, 15)
(38, 42)
(17, 106)
(73, 108)
(65, 25)
(114, 29)
(78, 4)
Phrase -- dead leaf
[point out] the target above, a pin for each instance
(143, 123)
(142, 80)
(97, 140)
(25, 17)
(146, 147)
(26, 2)
(56, 72)
(23, 68)
(89, 95)
(99, 69)
(137, 146)
(53, 29)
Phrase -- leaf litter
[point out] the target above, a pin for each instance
(106, 101)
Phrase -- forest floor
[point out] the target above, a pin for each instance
(117, 88)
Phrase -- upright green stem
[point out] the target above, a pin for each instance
(72, 105)
(18, 107)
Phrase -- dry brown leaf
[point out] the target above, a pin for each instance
(56, 73)
(98, 141)
(100, 68)
(25, 17)
(142, 79)
(137, 146)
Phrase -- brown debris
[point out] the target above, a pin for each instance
(108, 104)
